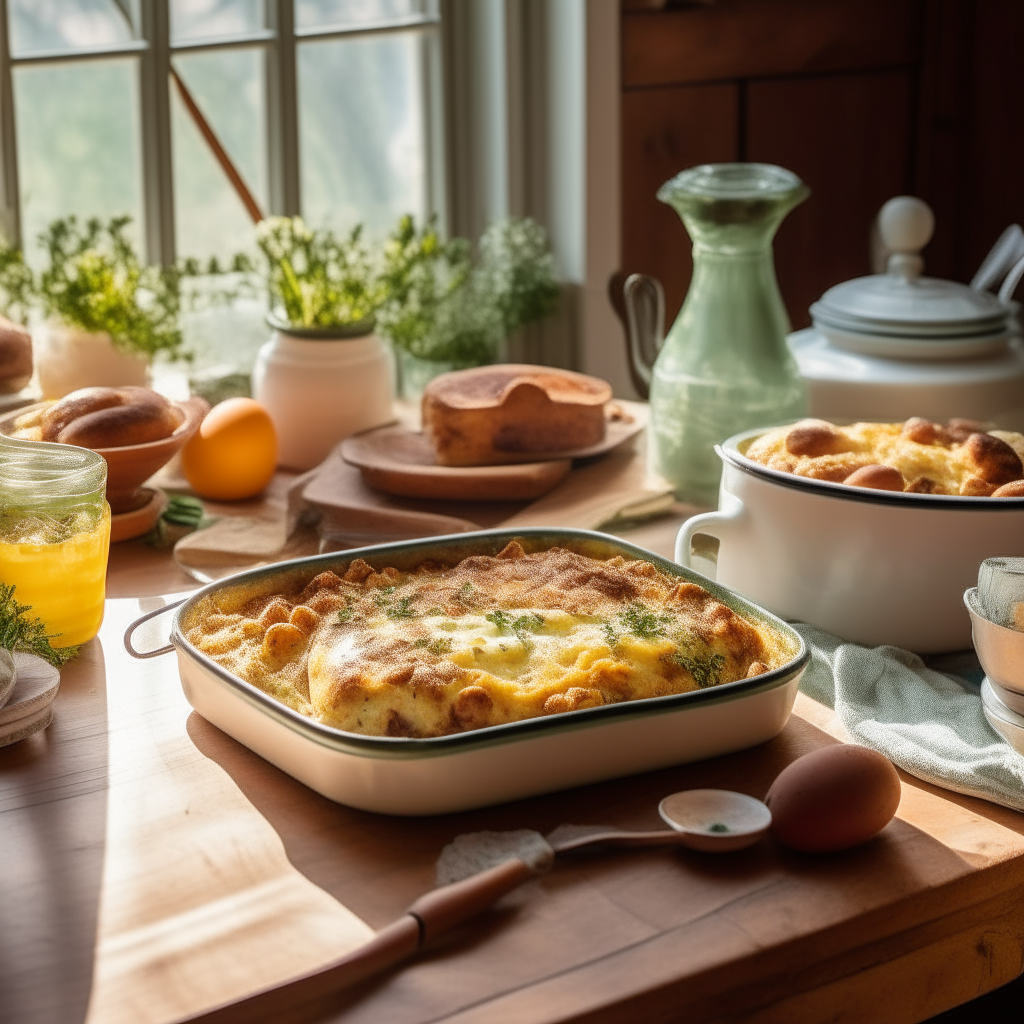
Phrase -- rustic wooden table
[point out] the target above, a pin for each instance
(925, 917)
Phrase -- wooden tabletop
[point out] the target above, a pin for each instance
(131, 810)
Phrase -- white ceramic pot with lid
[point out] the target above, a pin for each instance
(895, 345)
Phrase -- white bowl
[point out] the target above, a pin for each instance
(1000, 649)
(1003, 719)
(874, 567)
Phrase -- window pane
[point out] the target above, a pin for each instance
(69, 24)
(78, 142)
(202, 19)
(361, 132)
(228, 88)
(321, 13)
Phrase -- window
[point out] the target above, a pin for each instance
(198, 116)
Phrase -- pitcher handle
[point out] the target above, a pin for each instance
(142, 655)
(715, 524)
(644, 299)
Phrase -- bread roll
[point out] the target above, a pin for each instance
(15, 357)
(492, 415)
(110, 418)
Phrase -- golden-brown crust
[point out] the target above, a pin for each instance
(492, 415)
(439, 649)
(918, 456)
(814, 438)
(110, 418)
(992, 459)
(1014, 489)
(876, 477)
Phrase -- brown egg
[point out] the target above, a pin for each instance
(833, 798)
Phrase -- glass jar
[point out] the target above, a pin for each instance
(55, 534)
(724, 367)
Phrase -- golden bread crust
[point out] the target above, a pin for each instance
(919, 456)
(490, 640)
(491, 415)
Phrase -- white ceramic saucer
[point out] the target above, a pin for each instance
(30, 707)
(1007, 722)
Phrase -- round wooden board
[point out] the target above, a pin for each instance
(401, 462)
(30, 706)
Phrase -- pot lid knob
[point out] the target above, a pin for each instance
(906, 224)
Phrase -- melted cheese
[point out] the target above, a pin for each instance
(490, 640)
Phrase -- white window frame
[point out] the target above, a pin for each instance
(279, 40)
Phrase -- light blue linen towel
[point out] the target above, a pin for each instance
(927, 722)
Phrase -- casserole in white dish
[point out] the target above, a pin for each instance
(874, 567)
(442, 774)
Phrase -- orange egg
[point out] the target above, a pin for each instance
(234, 452)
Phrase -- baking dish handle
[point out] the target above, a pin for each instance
(141, 655)
(715, 524)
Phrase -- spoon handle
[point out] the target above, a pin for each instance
(310, 995)
(617, 837)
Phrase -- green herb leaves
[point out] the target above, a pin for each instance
(706, 670)
(638, 620)
(435, 645)
(529, 623)
(393, 609)
(20, 633)
(319, 279)
(520, 626)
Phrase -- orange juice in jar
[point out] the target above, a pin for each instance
(55, 535)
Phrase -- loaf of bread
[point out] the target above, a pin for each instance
(492, 415)
(15, 357)
(109, 418)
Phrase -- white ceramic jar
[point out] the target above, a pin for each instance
(320, 386)
(68, 358)
(874, 567)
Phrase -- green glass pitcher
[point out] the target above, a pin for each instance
(724, 366)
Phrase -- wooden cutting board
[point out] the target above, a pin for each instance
(399, 461)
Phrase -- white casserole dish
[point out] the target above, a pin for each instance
(874, 567)
(493, 765)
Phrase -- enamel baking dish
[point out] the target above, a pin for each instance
(500, 763)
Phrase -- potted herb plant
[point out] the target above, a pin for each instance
(443, 312)
(324, 374)
(105, 315)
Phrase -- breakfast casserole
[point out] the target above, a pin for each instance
(440, 649)
(919, 456)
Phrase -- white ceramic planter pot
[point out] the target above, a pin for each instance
(67, 359)
(873, 567)
(319, 388)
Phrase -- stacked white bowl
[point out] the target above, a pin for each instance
(1000, 650)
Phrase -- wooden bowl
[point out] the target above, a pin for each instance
(130, 466)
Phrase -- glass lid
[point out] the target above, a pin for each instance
(901, 302)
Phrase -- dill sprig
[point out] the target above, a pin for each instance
(20, 633)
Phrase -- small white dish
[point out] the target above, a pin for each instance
(1005, 721)
(1000, 649)
(30, 707)
(716, 820)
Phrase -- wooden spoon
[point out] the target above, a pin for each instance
(710, 820)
